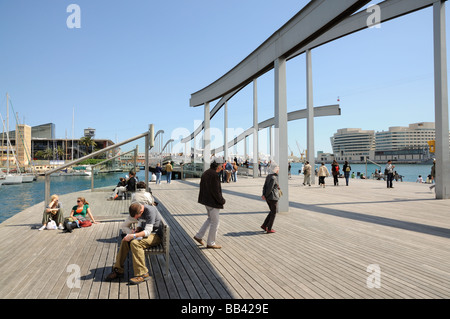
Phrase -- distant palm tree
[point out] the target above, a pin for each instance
(88, 142)
(48, 153)
(59, 152)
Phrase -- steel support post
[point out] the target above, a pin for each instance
(207, 139)
(310, 119)
(225, 132)
(255, 129)
(281, 138)
(441, 103)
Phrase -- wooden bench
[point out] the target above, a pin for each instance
(164, 247)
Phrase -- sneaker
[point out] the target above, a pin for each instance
(61, 227)
(42, 227)
(271, 231)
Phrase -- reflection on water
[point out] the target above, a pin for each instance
(16, 198)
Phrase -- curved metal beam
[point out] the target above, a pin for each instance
(328, 110)
(317, 17)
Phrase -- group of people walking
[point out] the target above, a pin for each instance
(323, 172)
(158, 171)
(210, 195)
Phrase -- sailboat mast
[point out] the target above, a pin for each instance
(7, 132)
(73, 118)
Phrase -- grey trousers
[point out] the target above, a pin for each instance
(212, 222)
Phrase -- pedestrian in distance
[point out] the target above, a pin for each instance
(148, 233)
(323, 172)
(158, 173)
(389, 172)
(169, 170)
(335, 172)
(347, 169)
(433, 174)
(210, 195)
(307, 174)
(271, 193)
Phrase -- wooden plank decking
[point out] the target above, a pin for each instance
(322, 248)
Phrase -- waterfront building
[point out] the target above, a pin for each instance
(402, 144)
(38, 144)
(353, 145)
(405, 144)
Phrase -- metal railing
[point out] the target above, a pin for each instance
(149, 142)
(110, 159)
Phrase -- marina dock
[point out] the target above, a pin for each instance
(363, 241)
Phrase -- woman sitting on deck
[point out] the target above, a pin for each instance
(53, 212)
(78, 215)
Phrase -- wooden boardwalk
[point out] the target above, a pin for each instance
(325, 247)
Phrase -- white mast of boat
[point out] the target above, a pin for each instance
(73, 118)
(7, 135)
(10, 179)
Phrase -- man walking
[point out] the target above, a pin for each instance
(169, 170)
(307, 174)
(210, 195)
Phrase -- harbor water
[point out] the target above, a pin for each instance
(409, 172)
(16, 198)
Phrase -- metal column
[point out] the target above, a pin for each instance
(310, 119)
(441, 103)
(207, 139)
(255, 129)
(225, 132)
(281, 138)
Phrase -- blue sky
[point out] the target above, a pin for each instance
(137, 62)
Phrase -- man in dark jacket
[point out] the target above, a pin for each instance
(271, 194)
(210, 195)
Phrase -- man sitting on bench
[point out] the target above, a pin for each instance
(147, 234)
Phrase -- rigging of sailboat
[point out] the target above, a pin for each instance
(12, 178)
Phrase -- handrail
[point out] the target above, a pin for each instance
(149, 142)
(367, 159)
(102, 162)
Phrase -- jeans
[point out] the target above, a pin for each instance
(347, 176)
(169, 177)
(212, 222)
(158, 178)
